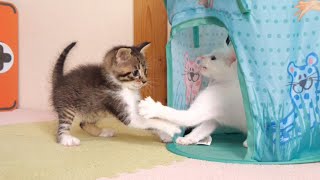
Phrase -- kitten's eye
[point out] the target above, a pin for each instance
(213, 58)
(135, 73)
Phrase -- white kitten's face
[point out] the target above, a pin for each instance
(217, 64)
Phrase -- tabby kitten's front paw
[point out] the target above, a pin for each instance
(107, 133)
(68, 140)
(148, 108)
(170, 129)
(165, 138)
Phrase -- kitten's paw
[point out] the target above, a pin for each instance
(68, 140)
(172, 130)
(165, 138)
(148, 108)
(107, 133)
(185, 141)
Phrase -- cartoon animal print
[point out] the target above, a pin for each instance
(206, 3)
(192, 78)
(304, 87)
(304, 96)
(306, 6)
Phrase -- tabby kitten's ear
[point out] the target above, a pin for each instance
(123, 54)
(142, 47)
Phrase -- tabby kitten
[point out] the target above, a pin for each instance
(92, 91)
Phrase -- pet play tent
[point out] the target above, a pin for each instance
(278, 58)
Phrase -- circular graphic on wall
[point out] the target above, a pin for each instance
(6, 58)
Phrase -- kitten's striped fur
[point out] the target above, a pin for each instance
(90, 91)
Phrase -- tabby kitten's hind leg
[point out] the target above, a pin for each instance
(92, 129)
(66, 117)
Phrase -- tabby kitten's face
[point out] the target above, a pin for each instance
(129, 66)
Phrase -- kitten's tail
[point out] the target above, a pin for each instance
(58, 68)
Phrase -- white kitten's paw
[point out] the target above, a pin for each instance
(107, 133)
(185, 141)
(68, 140)
(148, 108)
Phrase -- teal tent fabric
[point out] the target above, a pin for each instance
(278, 58)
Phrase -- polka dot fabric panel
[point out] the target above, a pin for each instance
(277, 47)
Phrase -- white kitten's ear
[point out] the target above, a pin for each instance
(232, 58)
(123, 54)
(143, 47)
(231, 61)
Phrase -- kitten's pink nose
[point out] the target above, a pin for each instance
(141, 81)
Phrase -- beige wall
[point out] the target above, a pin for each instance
(47, 26)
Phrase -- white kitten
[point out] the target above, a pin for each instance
(220, 104)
